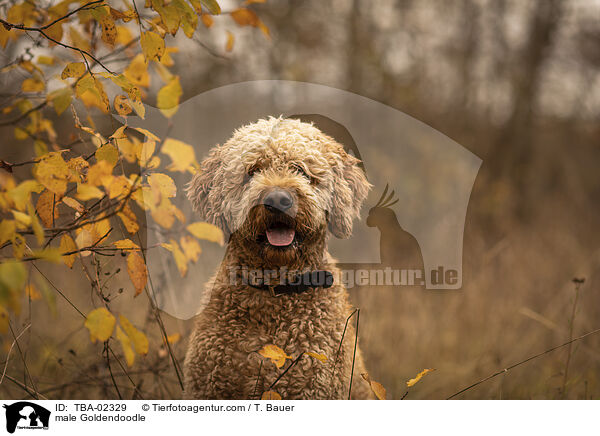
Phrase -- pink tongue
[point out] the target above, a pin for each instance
(280, 237)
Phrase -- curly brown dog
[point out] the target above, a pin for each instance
(275, 188)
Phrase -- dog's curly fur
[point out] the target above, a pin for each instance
(328, 189)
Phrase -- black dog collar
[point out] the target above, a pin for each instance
(300, 284)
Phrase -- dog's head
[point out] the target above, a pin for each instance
(276, 187)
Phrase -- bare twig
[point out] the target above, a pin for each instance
(112, 377)
(296, 360)
(257, 379)
(354, 353)
(505, 370)
(10, 351)
(578, 283)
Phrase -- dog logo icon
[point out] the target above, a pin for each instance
(26, 415)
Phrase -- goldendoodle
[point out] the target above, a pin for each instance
(275, 188)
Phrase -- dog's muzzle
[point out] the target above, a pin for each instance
(280, 202)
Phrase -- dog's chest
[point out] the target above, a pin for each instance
(309, 377)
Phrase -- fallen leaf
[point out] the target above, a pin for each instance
(376, 387)
(319, 357)
(275, 354)
(270, 395)
(418, 377)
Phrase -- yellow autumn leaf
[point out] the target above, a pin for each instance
(207, 20)
(124, 35)
(109, 30)
(53, 173)
(319, 357)
(418, 377)
(126, 244)
(174, 338)
(118, 187)
(7, 230)
(4, 316)
(61, 99)
(109, 153)
(270, 395)
(129, 219)
(275, 354)
(77, 167)
(167, 60)
(138, 273)
(46, 208)
(138, 338)
(230, 41)
(84, 239)
(153, 46)
(126, 346)
(21, 193)
(137, 71)
(121, 105)
(191, 248)
(67, 245)
(73, 204)
(165, 213)
(73, 69)
(100, 173)
(32, 293)
(129, 148)
(206, 231)
(45, 60)
(36, 226)
(180, 259)
(212, 6)
(376, 387)
(167, 99)
(32, 85)
(21, 217)
(163, 184)
(50, 254)
(87, 192)
(101, 323)
(148, 134)
(183, 157)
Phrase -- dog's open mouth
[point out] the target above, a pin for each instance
(279, 235)
(280, 231)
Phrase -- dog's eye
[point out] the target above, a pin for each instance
(251, 171)
(300, 170)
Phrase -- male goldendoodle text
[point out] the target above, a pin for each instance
(275, 189)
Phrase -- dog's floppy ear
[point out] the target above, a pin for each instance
(202, 193)
(350, 188)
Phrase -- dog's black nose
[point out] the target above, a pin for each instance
(279, 199)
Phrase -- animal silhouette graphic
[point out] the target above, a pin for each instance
(397, 248)
(26, 414)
